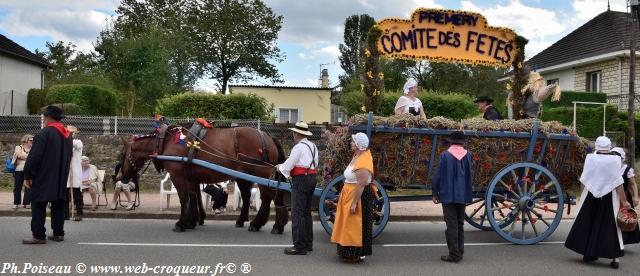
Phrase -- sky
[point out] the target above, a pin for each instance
(312, 29)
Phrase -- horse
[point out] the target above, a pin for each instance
(243, 149)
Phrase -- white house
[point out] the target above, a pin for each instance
(20, 70)
(593, 58)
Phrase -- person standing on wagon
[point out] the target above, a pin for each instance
(301, 166)
(451, 186)
(489, 112)
(409, 103)
(595, 232)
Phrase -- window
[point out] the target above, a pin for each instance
(288, 115)
(594, 81)
(553, 81)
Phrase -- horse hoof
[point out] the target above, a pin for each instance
(239, 224)
(178, 229)
(276, 231)
(253, 228)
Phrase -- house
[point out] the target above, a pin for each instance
(593, 58)
(20, 70)
(295, 103)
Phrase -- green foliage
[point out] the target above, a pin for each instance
(90, 99)
(452, 105)
(70, 66)
(588, 119)
(216, 106)
(36, 99)
(568, 97)
(68, 108)
(356, 29)
(236, 40)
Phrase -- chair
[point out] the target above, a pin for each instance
(255, 197)
(206, 198)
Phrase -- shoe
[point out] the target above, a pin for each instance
(130, 207)
(615, 264)
(217, 212)
(352, 260)
(27, 206)
(309, 249)
(33, 241)
(588, 259)
(295, 251)
(77, 218)
(94, 208)
(114, 205)
(450, 259)
(14, 207)
(56, 238)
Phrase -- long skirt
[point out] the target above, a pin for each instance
(633, 236)
(353, 239)
(594, 233)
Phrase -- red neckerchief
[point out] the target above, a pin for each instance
(60, 128)
(457, 151)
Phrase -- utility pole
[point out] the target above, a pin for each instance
(11, 101)
(633, 4)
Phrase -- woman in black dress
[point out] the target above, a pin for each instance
(631, 192)
(595, 233)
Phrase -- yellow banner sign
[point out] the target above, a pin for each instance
(447, 36)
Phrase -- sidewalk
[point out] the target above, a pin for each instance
(150, 209)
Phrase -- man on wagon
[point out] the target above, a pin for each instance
(301, 166)
(489, 112)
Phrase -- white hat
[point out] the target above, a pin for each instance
(302, 128)
(620, 151)
(603, 143)
(361, 140)
(408, 85)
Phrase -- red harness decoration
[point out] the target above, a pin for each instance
(204, 123)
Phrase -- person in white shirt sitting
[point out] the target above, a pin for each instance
(90, 180)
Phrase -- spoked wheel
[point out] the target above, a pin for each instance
(531, 197)
(476, 213)
(329, 200)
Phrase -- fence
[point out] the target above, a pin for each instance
(113, 125)
(622, 101)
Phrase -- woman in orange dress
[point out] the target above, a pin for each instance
(352, 229)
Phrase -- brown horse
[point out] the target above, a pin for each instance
(242, 149)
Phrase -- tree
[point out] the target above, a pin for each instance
(138, 66)
(70, 66)
(236, 39)
(519, 80)
(135, 18)
(356, 28)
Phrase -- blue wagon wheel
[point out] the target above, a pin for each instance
(329, 199)
(476, 214)
(532, 198)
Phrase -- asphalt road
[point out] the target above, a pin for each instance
(405, 248)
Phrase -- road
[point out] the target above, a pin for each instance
(405, 248)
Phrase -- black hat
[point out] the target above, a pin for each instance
(483, 99)
(53, 112)
(456, 137)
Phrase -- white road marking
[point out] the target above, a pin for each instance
(285, 245)
(466, 244)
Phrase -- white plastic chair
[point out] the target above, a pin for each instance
(255, 197)
(206, 198)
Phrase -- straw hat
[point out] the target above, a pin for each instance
(301, 128)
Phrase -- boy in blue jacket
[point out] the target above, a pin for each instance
(451, 186)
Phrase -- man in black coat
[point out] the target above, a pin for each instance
(46, 172)
(488, 110)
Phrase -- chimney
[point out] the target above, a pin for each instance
(324, 79)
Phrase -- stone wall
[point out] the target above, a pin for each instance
(610, 76)
(102, 149)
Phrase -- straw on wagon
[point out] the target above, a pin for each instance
(403, 160)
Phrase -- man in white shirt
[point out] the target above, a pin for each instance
(301, 166)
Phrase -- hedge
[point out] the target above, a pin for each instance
(568, 97)
(91, 99)
(452, 105)
(218, 106)
(36, 99)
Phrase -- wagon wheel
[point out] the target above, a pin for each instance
(531, 197)
(476, 214)
(329, 198)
